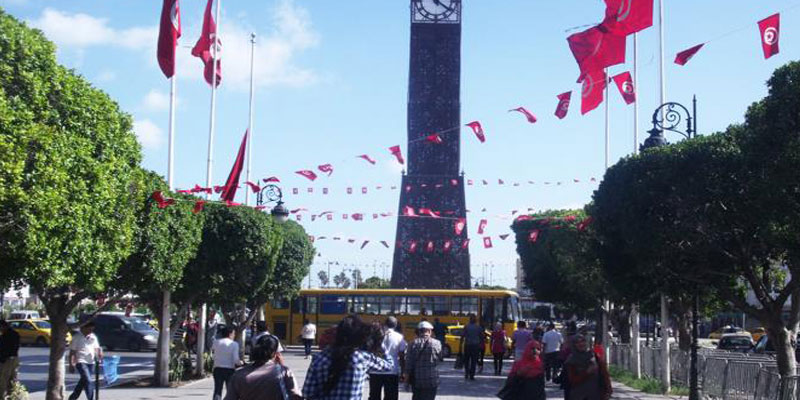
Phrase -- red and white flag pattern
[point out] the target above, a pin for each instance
(209, 47)
(326, 168)
(367, 158)
(770, 33)
(563, 104)
(624, 83)
(528, 115)
(482, 226)
(461, 223)
(487, 242)
(594, 83)
(477, 129)
(168, 34)
(683, 57)
(308, 174)
(624, 17)
(398, 154)
(595, 50)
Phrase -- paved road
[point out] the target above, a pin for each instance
(33, 366)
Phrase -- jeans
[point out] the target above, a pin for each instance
(498, 363)
(390, 384)
(552, 365)
(471, 355)
(85, 383)
(423, 394)
(222, 375)
(307, 343)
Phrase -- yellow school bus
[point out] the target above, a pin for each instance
(326, 307)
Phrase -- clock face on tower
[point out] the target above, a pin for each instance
(436, 11)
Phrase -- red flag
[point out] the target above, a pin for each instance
(453, 182)
(595, 50)
(326, 168)
(229, 191)
(429, 247)
(364, 244)
(363, 190)
(219, 188)
(163, 202)
(478, 130)
(683, 57)
(253, 186)
(395, 150)
(385, 244)
(461, 223)
(271, 179)
(625, 85)
(197, 189)
(448, 244)
(528, 115)
(358, 217)
(563, 104)
(329, 217)
(412, 247)
(592, 90)
(585, 223)
(482, 226)
(209, 47)
(168, 35)
(533, 236)
(487, 242)
(770, 33)
(409, 211)
(434, 138)
(184, 191)
(232, 203)
(310, 175)
(470, 182)
(624, 17)
(368, 158)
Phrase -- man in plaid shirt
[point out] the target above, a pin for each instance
(339, 372)
(424, 355)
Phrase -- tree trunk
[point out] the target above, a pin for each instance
(56, 309)
(784, 347)
(684, 331)
(161, 374)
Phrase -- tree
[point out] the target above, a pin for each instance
(165, 241)
(356, 275)
(375, 282)
(324, 279)
(341, 280)
(68, 164)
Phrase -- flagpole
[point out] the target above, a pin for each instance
(170, 146)
(665, 361)
(250, 122)
(607, 140)
(636, 102)
(201, 332)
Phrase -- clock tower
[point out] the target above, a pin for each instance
(428, 252)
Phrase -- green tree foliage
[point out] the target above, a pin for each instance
(294, 263)
(375, 282)
(68, 160)
(341, 280)
(324, 279)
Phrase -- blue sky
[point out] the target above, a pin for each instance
(332, 82)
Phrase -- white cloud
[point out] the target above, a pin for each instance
(82, 30)
(106, 76)
(156, 101)
(149, 134)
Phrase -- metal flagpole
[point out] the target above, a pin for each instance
(201, 331)
(635, 103)
(665, 377)
(636, 350)
(250, 122)
(607, 140)
(606, 303)
(170, 156)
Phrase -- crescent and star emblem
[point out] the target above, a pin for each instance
(770, 35)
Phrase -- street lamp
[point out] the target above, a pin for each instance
(668, 117)
(273, 194)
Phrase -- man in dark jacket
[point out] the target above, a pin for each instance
(9, 361)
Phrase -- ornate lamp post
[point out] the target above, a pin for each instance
(273, 194)
(668, 117)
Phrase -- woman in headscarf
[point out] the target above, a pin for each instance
(529, 373)
(587, 373)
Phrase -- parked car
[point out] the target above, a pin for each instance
(736, 342)
(34, 331)
(758, 333)
(24, 314)
(717, 334)
(452, 342)
(121, 332)
(765, 346)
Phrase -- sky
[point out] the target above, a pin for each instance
(331, 82)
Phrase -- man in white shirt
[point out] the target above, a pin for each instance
(226, 359)
(552, 341)
(84, 350)
(393, 346)
(308, 334)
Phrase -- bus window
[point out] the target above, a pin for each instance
(487, 311)
(455, 309)
(296, 305)
(387, 305)
(400, 305)
(372, 305)
(499, 310)
(440, 305)
(512, 309)
(312, 302)
(279, 304)
(426, 306)
(357, 304)
(413, 307)
(469, 305)
(332, 304)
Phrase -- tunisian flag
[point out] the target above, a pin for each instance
(168, 36)
(229, 190)
(683, 57)
(595, 50)
(592, 90)
(770, 33)
(563, 104)
(209, 47)
(625, 85)
(624, 17)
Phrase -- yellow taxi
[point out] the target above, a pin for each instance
(758, 333)
(452, 342)
(725, 330)
(33, 331)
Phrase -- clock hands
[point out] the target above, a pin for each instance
(439, 3)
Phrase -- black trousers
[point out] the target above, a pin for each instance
(498, 363)
(86, 382)
(552, 365)
(388, 383)
(471, 355)
(222, 376)
(423, 393)
(307, 345)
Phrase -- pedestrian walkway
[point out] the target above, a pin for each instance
(453, 386)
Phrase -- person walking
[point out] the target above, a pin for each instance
(308, 333)
(439, 330)
(9, 357)
(520, 339)
(226, 359)
(424, 354)
(498, 343)
(84, 350)
(527, 375)
(339, 371)
(263, 330)
(587, 373)
(552, 341)
(472, 341)
(266, 378)
(394, 346)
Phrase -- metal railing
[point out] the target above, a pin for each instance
(721, 374)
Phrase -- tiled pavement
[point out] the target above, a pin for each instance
(453, 386)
